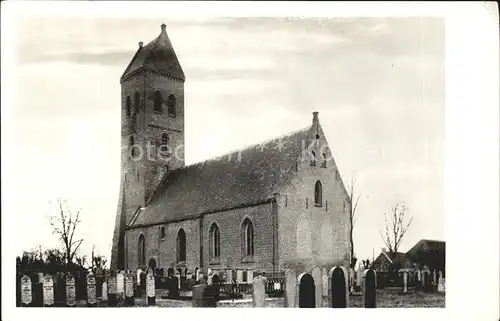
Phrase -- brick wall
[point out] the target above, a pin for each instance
(164, 251)
(309, 234)
(230, 224)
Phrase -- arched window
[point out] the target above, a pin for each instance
(247, 237)
(214, 241)
(313, 158)
(162, 232)
(137, 102)
(323, 163)
(181, 246)
(132, 143)
(127, 106)
(318, 194)
(141, 251)
(171, 104)
(158, 102)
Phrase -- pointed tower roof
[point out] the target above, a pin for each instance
(158, 55)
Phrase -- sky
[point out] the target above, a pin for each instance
(377, 83)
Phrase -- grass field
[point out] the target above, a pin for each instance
(385, 299)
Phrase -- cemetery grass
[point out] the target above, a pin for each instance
(396, 299)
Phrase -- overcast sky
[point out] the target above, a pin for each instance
(377, 83)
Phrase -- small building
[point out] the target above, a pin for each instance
(430, 253)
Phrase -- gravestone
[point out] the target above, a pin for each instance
(112, 289)
(129, 289)
(250, 276)
(338, 287)
(104, 291)
(178, 277)
(229, 276)
(318, 284)
(359, 279)
(91, 290)
(434, 280)
(26, 293)
(306, 291)
(352, 279)
(259, 292)
(441, 287)
(239, 276)
(198, 291)
(120, 284)
(324, 279)
(139, 271)
(290, 288)
(150, 288)
(369, 288)
(405, 282)
(48, 290)
(197, 274)
(70, 290)
(427, 281)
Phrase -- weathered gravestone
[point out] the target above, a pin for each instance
(434, 280)
(129, 289)
(306, 291)
(26, 293)
(178, 277)
(198, 291)
(290, 288)
(120, 285)
(91, 290)
(250, 276)
(104, 291)
(318, 284)
(359, 279)
(352, 280)
(441, 287)
(338, 287)
(112, 289)
(369, 288)
(48, 291)
(239, 276)
(150, 288)
(405, 282)
(427, 281)
(259, 292)
(324, 286)
(70, 290)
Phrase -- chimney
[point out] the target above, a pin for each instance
(383, 250)
(163, 28)
(316, 123)
(140, 44)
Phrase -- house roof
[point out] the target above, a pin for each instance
(248, 176)
(158, 55)
(426, 246)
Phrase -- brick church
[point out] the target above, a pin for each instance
(267, 207)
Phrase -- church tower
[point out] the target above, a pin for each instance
(152, 130)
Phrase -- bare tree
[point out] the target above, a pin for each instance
(395, 228)
(64, 225)
(98, 260)
(353, 200)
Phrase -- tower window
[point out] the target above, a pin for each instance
(247, 237)
(171, 105)
(141, 251)
(214, 245)
(318, 194)
(127, 106)
(181, 246)
(137, 101)
(158, 102)
(162, 232)
(323, 163)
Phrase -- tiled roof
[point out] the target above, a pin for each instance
(242, 177)
(158, 55)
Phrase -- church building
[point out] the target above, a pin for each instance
(267, 207)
